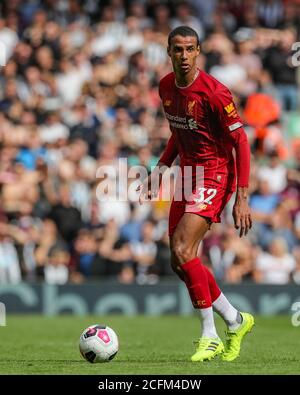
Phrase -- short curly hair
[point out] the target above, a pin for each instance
(184, 31)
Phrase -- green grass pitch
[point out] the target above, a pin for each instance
(148, 345)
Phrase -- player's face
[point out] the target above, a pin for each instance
(183, 52)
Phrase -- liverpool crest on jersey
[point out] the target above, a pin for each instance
(191, 107)
(167, 102)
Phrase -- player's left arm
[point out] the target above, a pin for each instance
(224, 108)
(241, 210)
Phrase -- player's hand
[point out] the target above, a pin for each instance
(242, 216)
(150, 187)
(147, 191)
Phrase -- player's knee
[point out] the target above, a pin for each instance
(182, 252)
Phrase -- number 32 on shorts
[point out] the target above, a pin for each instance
(205, 195)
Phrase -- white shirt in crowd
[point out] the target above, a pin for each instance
(142, 248)
(56, 274)
(276, 176)
(275, 270)
(9, 263)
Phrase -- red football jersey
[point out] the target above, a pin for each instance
(201, 117)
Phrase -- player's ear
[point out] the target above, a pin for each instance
(169, 51)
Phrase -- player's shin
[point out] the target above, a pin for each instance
(221, 305)
(197, 284)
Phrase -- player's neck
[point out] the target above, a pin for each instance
(186, 80)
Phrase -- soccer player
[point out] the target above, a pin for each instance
(205, 128)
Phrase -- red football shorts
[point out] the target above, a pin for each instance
(209, 203)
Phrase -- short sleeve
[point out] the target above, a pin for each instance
(224, 108)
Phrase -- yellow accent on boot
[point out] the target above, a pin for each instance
(207, 348)
(234, 338)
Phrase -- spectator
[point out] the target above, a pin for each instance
(278, 61)
(237, 258)
(296, 272)
(9, 263)
(8, 37)
(87, 260)
(270, 12)
(116, 250)
(184, 16)
(263, 204)
(56, 269)
(275, 266)
(274, 170)
(66, 217)
(144, 253)
(163, 256)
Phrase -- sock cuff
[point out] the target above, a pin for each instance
(191, 264)
(215, 297)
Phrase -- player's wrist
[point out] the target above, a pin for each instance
(242, 193)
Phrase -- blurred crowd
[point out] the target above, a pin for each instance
(79, 91)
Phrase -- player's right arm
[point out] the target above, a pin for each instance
(149, 189)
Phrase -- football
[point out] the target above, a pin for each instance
(98, 343)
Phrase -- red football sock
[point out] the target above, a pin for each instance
(196, 280)
(214, 289)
